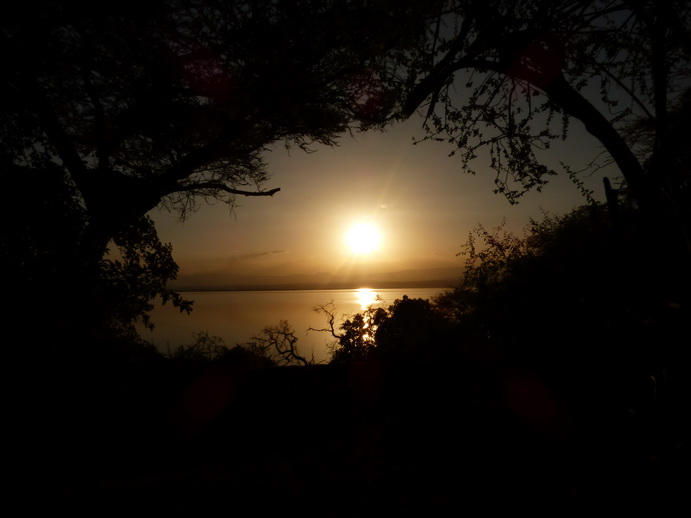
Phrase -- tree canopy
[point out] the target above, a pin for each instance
(177, 100)
(112, 109)
(122, 107)
(496, 74)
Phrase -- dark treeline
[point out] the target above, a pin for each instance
(555, 375)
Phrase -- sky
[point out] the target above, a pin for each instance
(418, 197)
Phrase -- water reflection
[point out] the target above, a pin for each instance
(366, 297)
(236, 316)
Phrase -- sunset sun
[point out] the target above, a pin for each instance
(363, 238)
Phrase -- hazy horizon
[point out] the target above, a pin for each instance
(430, 278)
(417, 197)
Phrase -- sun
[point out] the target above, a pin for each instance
(363, 238)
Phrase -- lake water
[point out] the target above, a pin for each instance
(236, 316)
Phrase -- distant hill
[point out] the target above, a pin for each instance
(431, 278)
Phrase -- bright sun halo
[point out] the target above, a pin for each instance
(363, 238)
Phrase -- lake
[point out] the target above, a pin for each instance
(236, 316)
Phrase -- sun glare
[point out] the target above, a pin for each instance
(363, 238)
(366, 297)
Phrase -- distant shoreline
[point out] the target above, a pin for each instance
(385, 285)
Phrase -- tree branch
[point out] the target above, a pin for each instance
(29, 90)
(439, 74)
(221, 187)
(575, 105)
(202, 155)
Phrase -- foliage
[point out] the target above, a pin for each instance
(177, 101)
(42, 249)
(274, 345)
(278, 343)
(204, 347)
(140, 276)
(592, 307)
(492, 262)
(499, 81)
(115, 108)
(576, 289)
(415, 328)
(356, 340)
(358, 337)
(407, 329)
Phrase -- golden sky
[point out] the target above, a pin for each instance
(417, 196)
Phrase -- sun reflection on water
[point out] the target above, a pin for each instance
(366, 297)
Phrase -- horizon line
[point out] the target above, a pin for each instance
(437, 283)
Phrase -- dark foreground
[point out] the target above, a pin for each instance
(365, 440)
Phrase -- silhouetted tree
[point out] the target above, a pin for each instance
(582, 300)
(132, 107)
(415, 329)
(111, 109)
(408, 329)
(207, 349)
(576, 295)
(279, 344)
(355, 335)
(506, 77)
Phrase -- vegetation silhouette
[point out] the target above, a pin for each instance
(561, 352)
(119, 108)
(525, 65)
(552, 327)
(128, 108)
(407, 330)
(273, 346)
(207, 349)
